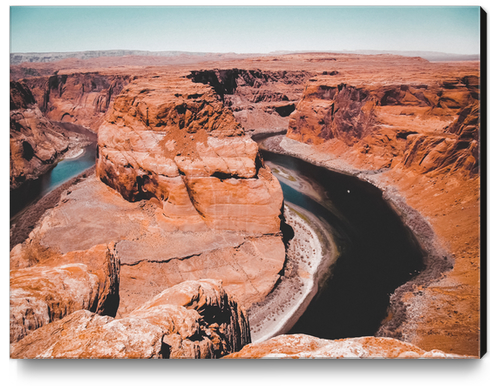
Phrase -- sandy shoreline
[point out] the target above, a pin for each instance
(437, 259)
(311, 252)
(25, 221)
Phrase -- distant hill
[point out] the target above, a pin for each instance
(46, 57)
(431, 56)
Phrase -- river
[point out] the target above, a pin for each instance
(377, 252)
(63, 171)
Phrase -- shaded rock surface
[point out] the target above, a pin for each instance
(35, 142)
(260, 100)
(305, 346)
(46, 291)
(77, 97)
(196, 319)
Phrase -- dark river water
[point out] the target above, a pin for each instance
(377, 252)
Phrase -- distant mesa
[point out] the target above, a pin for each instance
(44, 57)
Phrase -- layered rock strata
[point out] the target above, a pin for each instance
(260, 100)
(35, 142)
(172, 140)
(77, 97)
(196, 319)
(426, 127)
(53, 288)
(417, 140)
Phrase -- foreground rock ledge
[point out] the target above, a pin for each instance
(195, 319)
(53, 288)
(305, 346)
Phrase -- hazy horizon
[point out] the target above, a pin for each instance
(244, 30)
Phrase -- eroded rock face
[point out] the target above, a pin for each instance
(195, 319)
(77, 97)
(35, 143)
(171, 139)
(328, 110)
(305, 346)
(430, 127)
(261, 100)
(51, 289)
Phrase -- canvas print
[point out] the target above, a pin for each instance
(245, 182)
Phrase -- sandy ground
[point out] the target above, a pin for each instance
(25, 221)
(310, 254)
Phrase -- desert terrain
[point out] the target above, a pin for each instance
(180, 240)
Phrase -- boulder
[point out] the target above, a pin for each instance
(62, 284)
(196, 319)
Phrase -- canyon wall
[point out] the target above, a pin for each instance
(411, 128)
(35, 142)
(261, 100)
(185, 195)
(77, 97)
(427, 127)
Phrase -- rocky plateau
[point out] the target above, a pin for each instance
(179, 233)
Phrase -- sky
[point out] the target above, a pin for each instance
(244, 29)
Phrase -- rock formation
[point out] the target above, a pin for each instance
(76, 97)
(172, 140)
(35, 142)
(196, 319)
(51, 289)
(260, 100)
(420, 145)
(305, 346)
(185, 195)
(426, 127)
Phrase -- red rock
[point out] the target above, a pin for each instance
(305, 346)
(62, 284)
(173, 140)
(191, 320)
(35, 143)
(260, 100)
(77, 97)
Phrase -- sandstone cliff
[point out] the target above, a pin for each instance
(35, 142)
(77, 97)
(413, 130)
(196, 319)
(260, 100)
(172, 140)
(409, 126)
(427, 127)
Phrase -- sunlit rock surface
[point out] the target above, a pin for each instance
(173, 140)
(305, 346)
(196, 319)
(61, 284)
